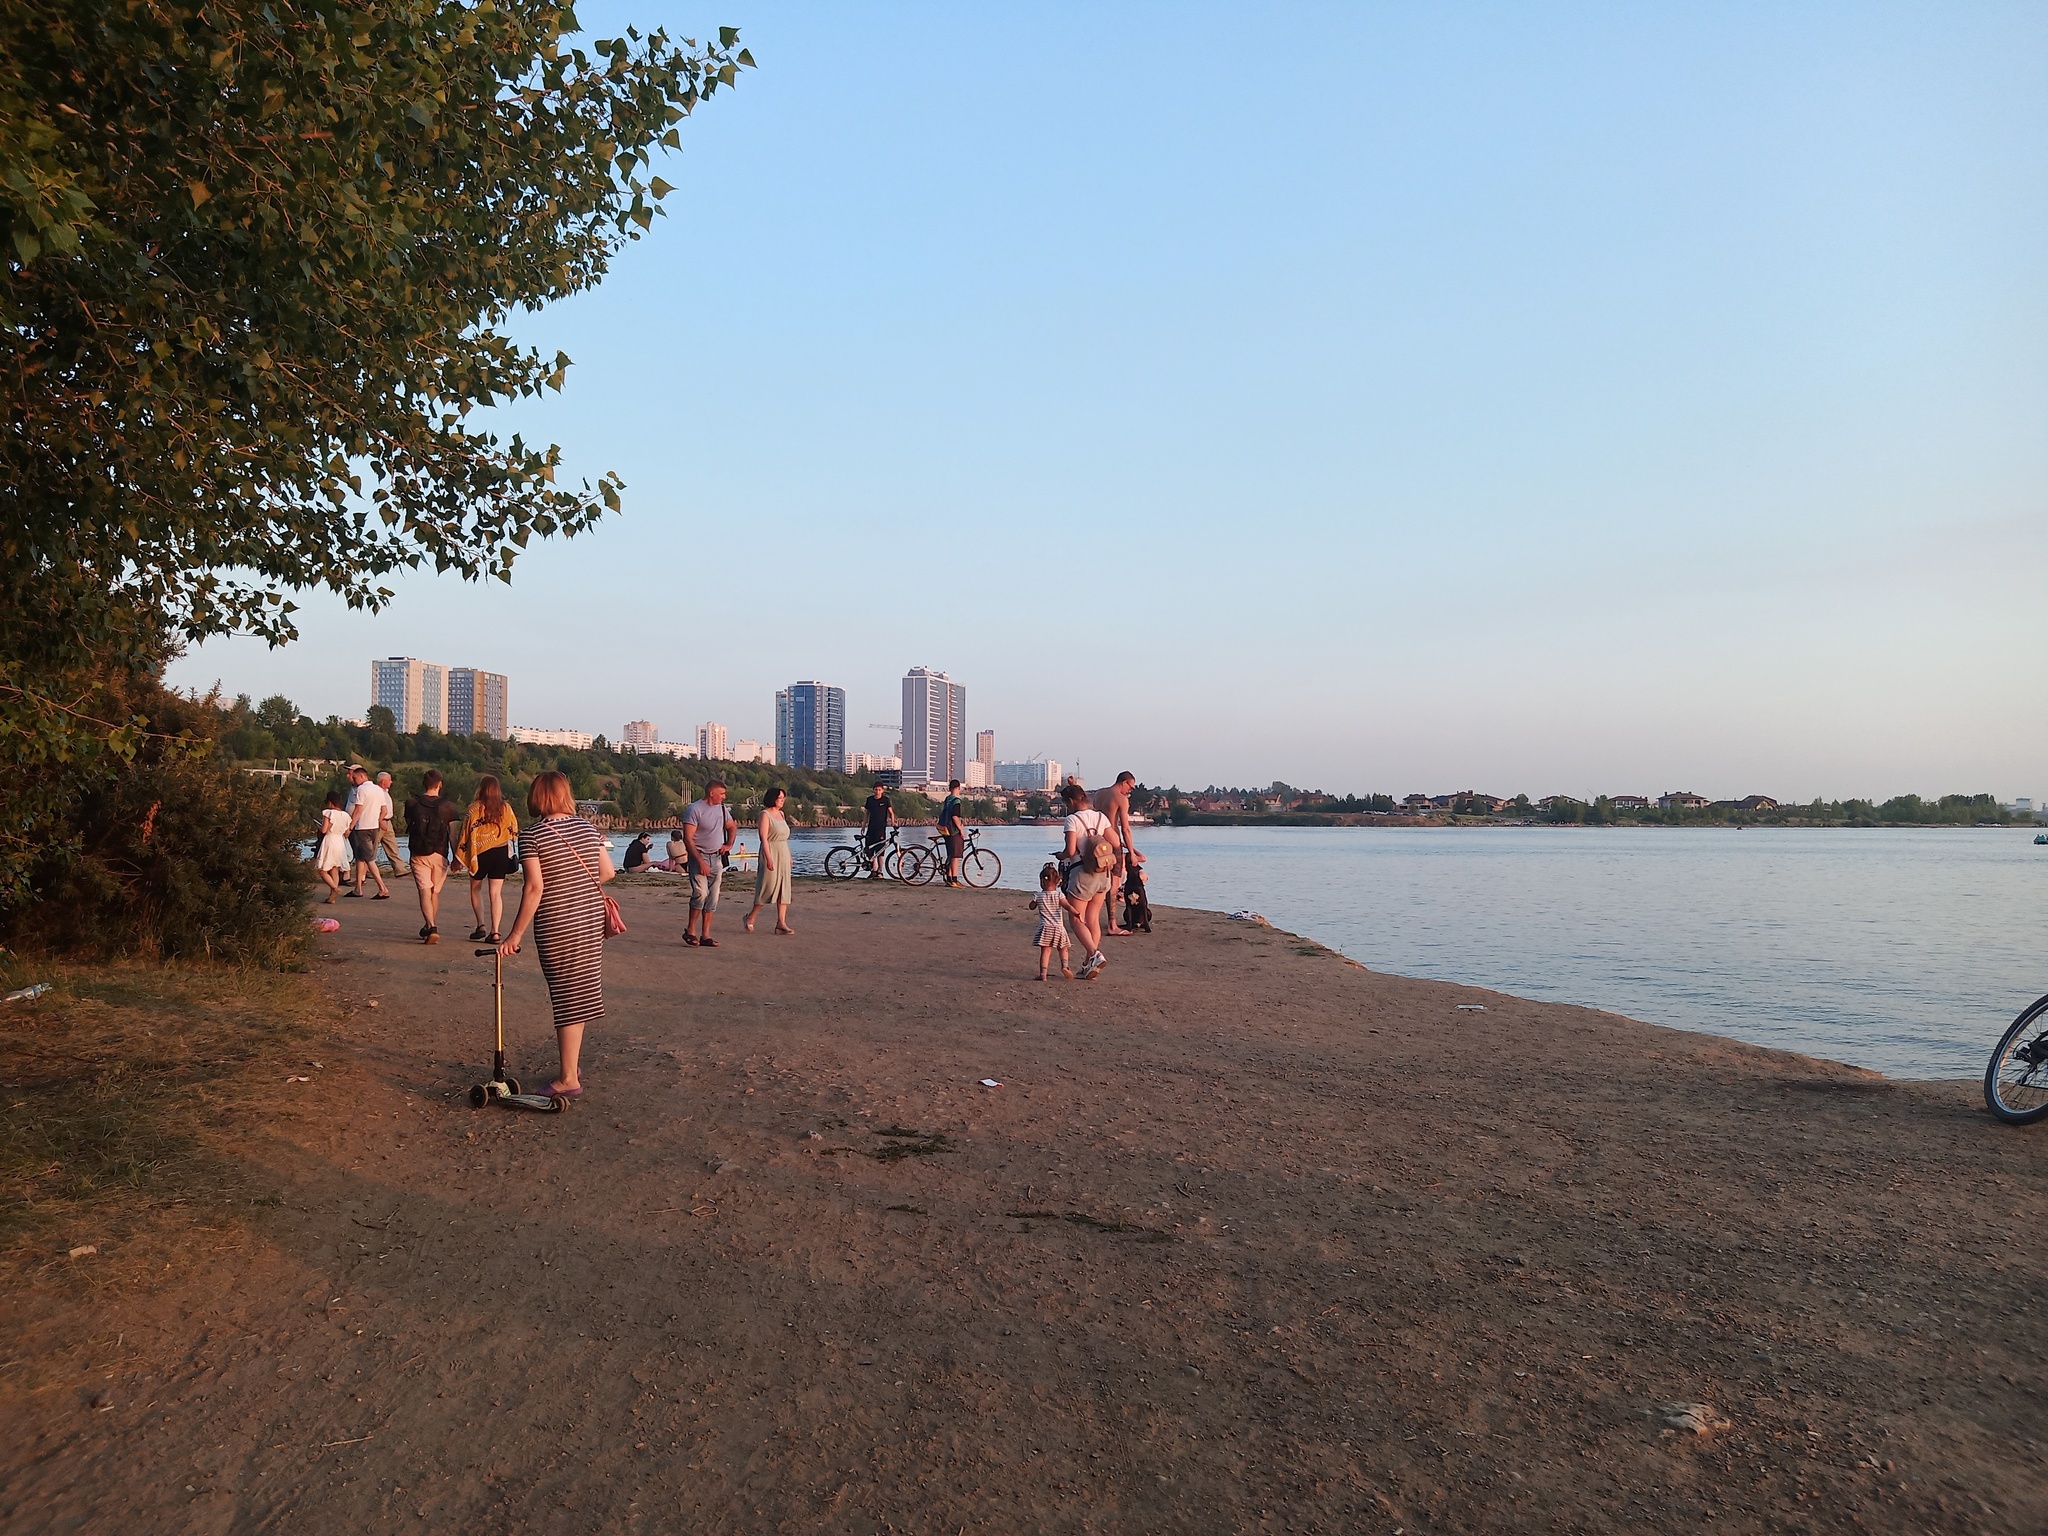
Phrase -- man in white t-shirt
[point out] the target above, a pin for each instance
(368, 809)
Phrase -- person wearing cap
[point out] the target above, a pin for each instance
(367, 807)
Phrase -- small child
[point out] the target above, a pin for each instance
(1052, 922)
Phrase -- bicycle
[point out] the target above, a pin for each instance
(2016, 1082)
(850, 859)
(979, 866)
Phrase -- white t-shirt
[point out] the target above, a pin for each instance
(1088, 823)
(368, 805)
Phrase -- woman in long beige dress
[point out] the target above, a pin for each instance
(772, 882)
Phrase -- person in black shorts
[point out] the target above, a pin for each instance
(953, 831)
(881, 817)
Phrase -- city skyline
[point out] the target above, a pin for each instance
(1646, 397)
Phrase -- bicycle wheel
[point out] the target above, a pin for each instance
(928, 862)
(843, 863)
(903, 864)
(2016, 1082)
(981, 868)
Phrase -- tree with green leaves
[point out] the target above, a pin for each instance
(259, 260)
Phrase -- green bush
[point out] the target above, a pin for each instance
(173, 853)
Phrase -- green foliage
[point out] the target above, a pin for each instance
(260, 257)
(171, 852)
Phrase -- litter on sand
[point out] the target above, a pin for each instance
(85, 1250)
(1471, 1007)
(26, 994)
(1248, 916)
(327, 925)
(989, 1082)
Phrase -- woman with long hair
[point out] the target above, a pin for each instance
(334, 855)
(484, 848)
(566, 862)
(771, 879)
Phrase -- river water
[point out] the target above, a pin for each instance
(1906, 951)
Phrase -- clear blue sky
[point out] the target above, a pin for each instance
(1569, 398)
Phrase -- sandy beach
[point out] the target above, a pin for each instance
(1249, 1239)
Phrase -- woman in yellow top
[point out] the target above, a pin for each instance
(485, 850)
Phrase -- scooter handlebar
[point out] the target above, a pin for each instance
(482, 952)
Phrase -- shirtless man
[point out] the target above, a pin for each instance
(1115, 803)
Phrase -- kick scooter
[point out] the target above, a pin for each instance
(503, 1088)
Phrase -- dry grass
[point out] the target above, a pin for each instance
(118, 1088)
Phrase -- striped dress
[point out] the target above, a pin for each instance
(568, 926)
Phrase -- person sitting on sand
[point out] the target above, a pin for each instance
(678, 860)
(636, 854)
(1051, 906)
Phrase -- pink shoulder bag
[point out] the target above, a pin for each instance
(614, 919)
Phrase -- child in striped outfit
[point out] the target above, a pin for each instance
(1052, 922)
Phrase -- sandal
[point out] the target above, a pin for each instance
(690, 939)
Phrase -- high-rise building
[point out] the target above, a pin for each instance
(744, 751)
(934, 727)
(478, 701)
(810, 726)
(415, 691)
(640, 735)
(868, 762)
(985, 754)
(1037, 776)
(712, 741)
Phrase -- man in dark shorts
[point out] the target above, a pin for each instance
(953, 832)
(430, 822)
(367, 806)
(881, 817)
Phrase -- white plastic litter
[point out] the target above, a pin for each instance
(1249, 916)
(989, 1082)
(1471, 1007)
(26, 994)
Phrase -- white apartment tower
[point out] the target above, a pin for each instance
(712, 741)
(415, 691)
(640, 735)
(934, 727)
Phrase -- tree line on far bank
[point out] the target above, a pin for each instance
(1281, 804)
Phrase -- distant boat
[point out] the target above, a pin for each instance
(2041, 837)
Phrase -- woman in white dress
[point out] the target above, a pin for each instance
(334, 856)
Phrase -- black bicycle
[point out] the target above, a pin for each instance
(2016, 1082)
(979, 866)
(850, 859)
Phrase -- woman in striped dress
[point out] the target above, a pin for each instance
(566, 864)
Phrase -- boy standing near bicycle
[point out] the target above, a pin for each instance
(881, 817)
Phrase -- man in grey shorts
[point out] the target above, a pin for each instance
(708, 829)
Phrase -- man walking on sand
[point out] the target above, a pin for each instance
(387, 838)
(429, 822)
(708, 829)
(1115, 803)
(367, 807)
